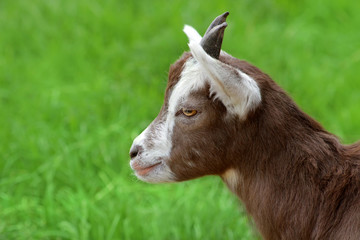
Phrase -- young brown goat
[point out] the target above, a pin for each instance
(223, 116)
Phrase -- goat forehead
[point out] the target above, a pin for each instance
(191, 79)
(160, 131)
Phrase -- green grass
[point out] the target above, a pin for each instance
(80, 79)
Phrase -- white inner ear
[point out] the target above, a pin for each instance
(237, 90)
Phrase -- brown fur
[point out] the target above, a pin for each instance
(296, 180)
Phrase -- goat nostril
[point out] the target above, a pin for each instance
(135, 151)
(133, 154)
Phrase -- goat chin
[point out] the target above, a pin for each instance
(296, 180)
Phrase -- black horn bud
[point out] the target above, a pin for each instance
(213, 37)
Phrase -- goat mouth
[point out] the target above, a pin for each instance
(142, 171)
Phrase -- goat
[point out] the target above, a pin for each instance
(223, 116)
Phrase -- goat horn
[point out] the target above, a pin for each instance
(213, 37)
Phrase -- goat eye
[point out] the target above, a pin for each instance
(189, 112)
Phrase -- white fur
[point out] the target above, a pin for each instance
(192, 34)
(139, 140)
(237, 90)
(158, 152)
(191, 79)
(162, 141)
(232, 177)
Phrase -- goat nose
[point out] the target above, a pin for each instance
(135, 150)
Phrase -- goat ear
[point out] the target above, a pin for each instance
(213, 37)
(192, 34)
(237, 91)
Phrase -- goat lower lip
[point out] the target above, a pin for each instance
(143, 171)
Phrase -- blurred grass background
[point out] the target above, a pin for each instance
(80, 79)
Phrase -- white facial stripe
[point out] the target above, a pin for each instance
(139, 140)
(191, 79)
(157, 147)
(161, 142)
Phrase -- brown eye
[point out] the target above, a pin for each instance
(189, 112)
